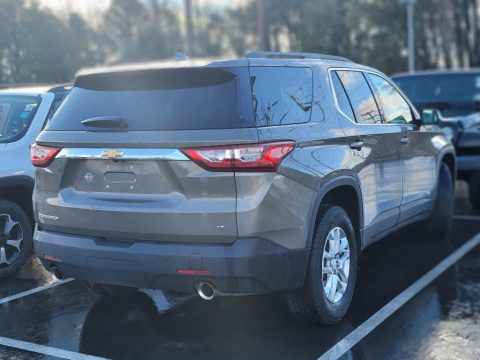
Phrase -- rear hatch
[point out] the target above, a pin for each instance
(119, 172)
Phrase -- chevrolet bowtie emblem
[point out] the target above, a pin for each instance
(112, 154)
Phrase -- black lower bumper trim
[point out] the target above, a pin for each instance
(246, 266)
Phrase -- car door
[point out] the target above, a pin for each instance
(417, 152)
(380, 171)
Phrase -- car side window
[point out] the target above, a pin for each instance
(281, 95)
(16, 115)
(395, 108)
(342, 98)
(361, 97)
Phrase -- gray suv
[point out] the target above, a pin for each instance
(267, 173)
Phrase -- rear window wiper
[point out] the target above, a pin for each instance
(106, 122)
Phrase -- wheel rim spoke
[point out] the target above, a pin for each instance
(15, 243)
(333, 288)
(3, 256)
(327, 270)
(9, 225)
(331, 248)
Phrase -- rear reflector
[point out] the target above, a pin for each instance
(193, 272)
(52, 258)
(42, 156)
(250, 157)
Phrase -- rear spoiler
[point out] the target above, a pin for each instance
(155, 79)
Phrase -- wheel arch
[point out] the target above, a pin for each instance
(339, 191)
(18, 189)
(448, 158)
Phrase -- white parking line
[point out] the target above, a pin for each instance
(33, 291)
(46, 350)
(466, 217)
(381, 315)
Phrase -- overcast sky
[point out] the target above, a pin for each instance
(83, 6)
(87, 7)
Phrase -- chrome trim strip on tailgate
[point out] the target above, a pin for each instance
(123, 153)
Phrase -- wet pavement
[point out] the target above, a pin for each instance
(441, 322)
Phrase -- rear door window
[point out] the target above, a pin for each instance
(281, 95)
(162, 99)
(395, 108)
(361, 97)
(16, 115)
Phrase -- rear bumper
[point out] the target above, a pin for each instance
(247, 266)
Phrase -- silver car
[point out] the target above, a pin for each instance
(23, 113)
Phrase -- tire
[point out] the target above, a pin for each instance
(20, 233)
(440, 222)
(312, 303)
(113, 291)
(474, 189)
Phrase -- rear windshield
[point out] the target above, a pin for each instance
(172, 99)
(16, 115)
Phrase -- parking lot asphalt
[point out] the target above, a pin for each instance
(441, 320)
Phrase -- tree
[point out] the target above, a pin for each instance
(36, 46)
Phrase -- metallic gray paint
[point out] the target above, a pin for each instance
(169, 199)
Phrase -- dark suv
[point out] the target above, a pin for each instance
(267, 173)
(456, 94)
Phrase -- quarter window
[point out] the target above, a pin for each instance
(361, 97)
(396, 110)
(342, 99)
(281, 95)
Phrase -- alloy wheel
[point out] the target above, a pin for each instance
(11, 237)
(335, 265)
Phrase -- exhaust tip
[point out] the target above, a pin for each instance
(57, 272)
(205, 290)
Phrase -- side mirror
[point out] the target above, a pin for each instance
(430, 116)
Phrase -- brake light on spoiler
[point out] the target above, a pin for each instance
(264, 157)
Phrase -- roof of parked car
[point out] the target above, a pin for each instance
(253, 58)
(438, 72)
(33, 90)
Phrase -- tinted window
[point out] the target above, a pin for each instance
(281, 95)
(456, 87)
(16, 115)
(342, 99)
(361, 97)
(395, 109)
(167, 99)
(453, 94)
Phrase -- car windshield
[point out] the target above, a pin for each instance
(16, 115)
(453, 94)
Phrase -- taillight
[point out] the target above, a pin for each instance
(42, 156)
(250, 157)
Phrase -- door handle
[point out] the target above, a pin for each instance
(405, 140)
(357, 145)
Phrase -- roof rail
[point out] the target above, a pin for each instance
(293, 55)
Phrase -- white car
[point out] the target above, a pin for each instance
(23, 114)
